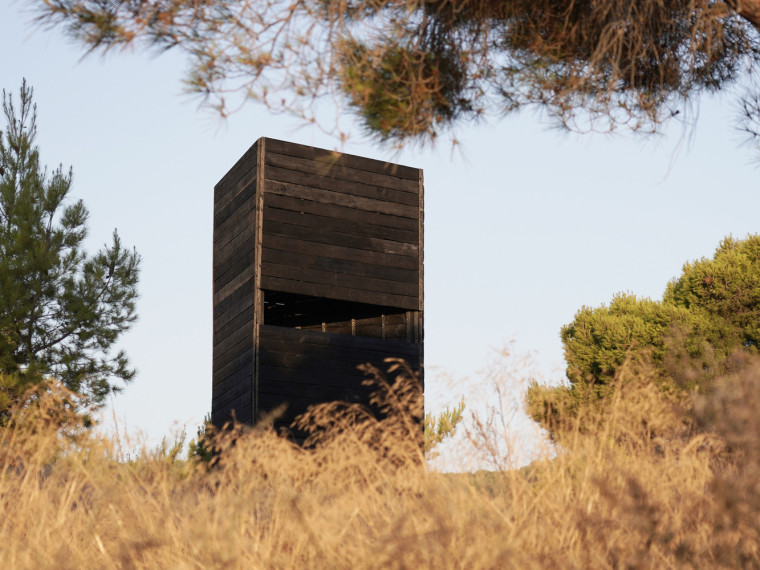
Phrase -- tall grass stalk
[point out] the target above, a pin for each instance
(657, 483)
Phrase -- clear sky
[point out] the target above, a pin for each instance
(522, 227)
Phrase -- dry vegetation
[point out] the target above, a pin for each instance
(654, 483)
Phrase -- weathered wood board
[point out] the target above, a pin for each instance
(318, 267)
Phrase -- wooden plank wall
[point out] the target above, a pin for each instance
(341, 227)
(388, 327)
(233, 290)
(304, 225)
(301, 367)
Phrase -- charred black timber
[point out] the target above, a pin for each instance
(318, 269)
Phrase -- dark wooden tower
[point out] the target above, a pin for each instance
(318, 268)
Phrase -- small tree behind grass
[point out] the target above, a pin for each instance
(441, 427)
(707, 315)
(61, 310)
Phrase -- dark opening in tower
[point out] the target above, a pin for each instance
(335, 316)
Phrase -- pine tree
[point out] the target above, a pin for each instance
(411, 70)
(707, 317)
(61, 310)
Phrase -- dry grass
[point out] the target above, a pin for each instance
(645, 489)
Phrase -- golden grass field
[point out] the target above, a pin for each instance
(655, 482)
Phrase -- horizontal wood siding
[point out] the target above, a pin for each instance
(328, 248)
(390, 327)
(233, 291)
(333, 157)
(340, 227)
(300, 368)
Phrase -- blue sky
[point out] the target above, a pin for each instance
(523, 226)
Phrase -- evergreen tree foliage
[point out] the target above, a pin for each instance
(413, 69)
(61, 310)
(441, 427)
(725, 287)
(686, 340)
